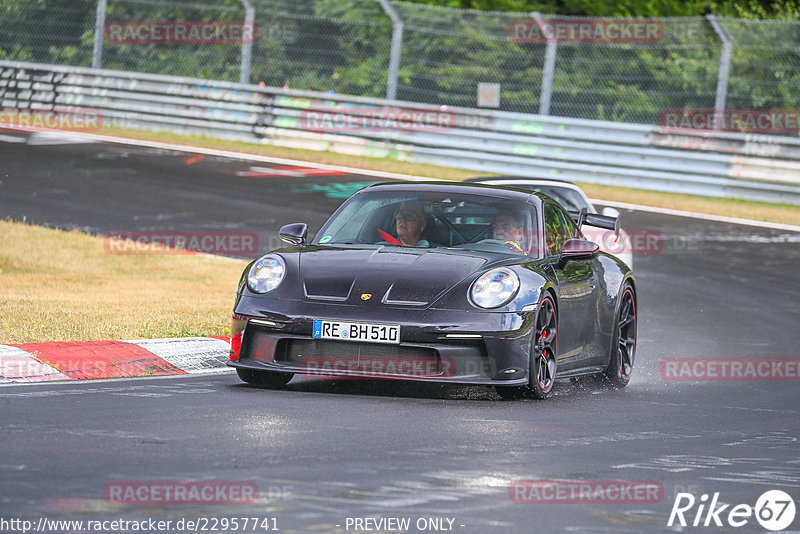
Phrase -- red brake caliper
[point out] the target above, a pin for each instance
(544, 337)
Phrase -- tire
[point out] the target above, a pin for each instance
(264, 379)
(544, 353)
(542, 361)
(623, 350)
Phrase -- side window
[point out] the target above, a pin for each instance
(558, 227)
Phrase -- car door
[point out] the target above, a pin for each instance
(578, 291)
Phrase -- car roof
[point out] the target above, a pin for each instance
(517, 177)
(528, 179)
(533, 181)
(505, 192)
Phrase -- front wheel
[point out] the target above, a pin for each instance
(543, 363)
(545, 347)
(264, 379)
(618, 373)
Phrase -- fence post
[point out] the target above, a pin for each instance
(549, 68)
(99, 24)
(397, 48)
(724, 69)
(247, 47)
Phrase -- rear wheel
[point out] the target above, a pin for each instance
(618, 373)
(543, 356)
(264, 379)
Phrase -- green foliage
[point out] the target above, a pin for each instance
(47, 31)
(344, 46)
(752, 9)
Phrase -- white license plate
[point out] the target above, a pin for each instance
(373, 333)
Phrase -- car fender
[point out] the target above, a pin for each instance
(627, 279)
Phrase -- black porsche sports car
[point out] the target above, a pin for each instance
(439, 281)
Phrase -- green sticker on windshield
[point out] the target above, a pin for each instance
(326, 239)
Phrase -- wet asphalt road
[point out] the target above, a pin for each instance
(323, 451)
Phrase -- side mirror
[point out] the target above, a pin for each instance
(294, 234)
(579, 249)
(610, 212)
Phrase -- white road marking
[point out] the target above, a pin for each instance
(12, 139)
(398, 176)
(252, 157)
(704, 216)
(57, 138)
(193, 355)
(18, 365)
(113, 386)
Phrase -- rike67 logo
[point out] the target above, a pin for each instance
(774, 510)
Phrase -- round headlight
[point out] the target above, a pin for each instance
(495, 288)
(266, 274)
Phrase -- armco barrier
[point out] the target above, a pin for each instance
(721, 164)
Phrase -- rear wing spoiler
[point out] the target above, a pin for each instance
(595, 219)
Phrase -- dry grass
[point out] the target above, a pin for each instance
(759, 211)
(64, 286)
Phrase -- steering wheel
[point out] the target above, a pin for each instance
(513, 245)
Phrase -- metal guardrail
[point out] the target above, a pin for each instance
(719, 164)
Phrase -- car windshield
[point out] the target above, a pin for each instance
(569, 198)
(432, 220)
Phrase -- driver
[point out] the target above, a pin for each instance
(508, 227)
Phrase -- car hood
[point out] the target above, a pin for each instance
(386, 275)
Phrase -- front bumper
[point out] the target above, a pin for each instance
(447, 346)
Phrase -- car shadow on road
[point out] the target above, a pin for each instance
(562, 390)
